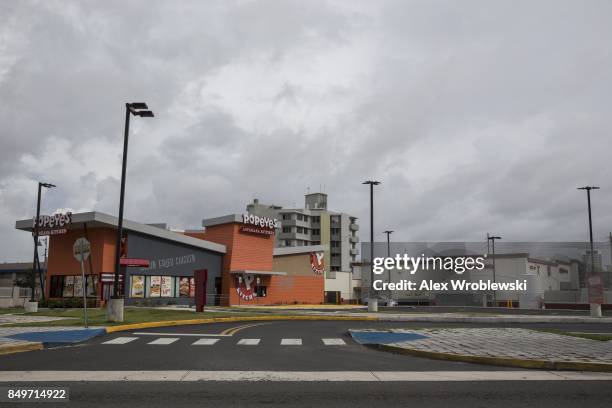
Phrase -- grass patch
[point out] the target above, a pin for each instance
(97, 316)
(17, 310)
(583, 335)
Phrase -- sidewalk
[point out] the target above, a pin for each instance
(497, 346)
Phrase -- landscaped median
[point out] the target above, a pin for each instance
(511, 347)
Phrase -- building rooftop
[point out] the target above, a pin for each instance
(292, 250)
(96, 219)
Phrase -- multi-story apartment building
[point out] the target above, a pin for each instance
(314, 224)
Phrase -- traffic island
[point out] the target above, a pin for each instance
(18, 339)
(510, 347)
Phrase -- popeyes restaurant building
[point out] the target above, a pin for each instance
(157, 264)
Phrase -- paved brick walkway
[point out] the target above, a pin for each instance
(21, 319)
(509, 343)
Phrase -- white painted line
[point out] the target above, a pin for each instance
(333, 342)
(345, 376)
(163, 341)
(291, 342)
(120, 340)
(205, 342)
(248, 342)
(182, 334)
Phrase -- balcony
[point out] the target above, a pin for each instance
(354, 251)
(354, 239)
(354, 227)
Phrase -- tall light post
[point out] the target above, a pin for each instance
(492, 238)
(36, 262)
(372, 300)
(115, 307)
(595, 308)
(388, 232)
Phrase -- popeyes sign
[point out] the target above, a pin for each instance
(259, 225)
(55, 224)
(317, 262)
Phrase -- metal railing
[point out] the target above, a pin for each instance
(6, 292)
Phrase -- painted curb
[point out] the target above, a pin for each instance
(168, 323)
(499, 361)
(18, 348)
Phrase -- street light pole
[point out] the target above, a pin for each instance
(595, 308)
(388, 232)
(35, 261)
(492, 238)
(372, 300)
(115, 308)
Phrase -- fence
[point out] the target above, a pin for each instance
(573, 296)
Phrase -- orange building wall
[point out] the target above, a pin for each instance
(62, 262)
(291, 289)
(244, 251)
(255, 252)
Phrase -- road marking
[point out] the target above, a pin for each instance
(233, 330)
(120, 340)
(333, 342)
(248, 342)
(163, 341)
(225, 333)
(182, 334)
(344, 376)
(205, 342)
(291, 342)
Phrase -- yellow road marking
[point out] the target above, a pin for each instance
(233, 330)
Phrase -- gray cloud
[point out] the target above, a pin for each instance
(477, 116)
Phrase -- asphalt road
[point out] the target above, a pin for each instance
(311, 355)
(268, 354)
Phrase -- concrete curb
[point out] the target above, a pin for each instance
(499, 361)
(495, 319)
(18, 348)
(168, 323)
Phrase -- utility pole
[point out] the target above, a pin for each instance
(35, 261)
(595, 308)
(388, 232)
(492, 238)
(114, 311)
(372, 300)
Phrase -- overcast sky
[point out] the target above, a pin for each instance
(476, 115)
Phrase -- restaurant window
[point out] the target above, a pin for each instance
(183, 287)
(137, 289)
(68, 289)
(154, 286)
(167, 286)
(56, 287)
